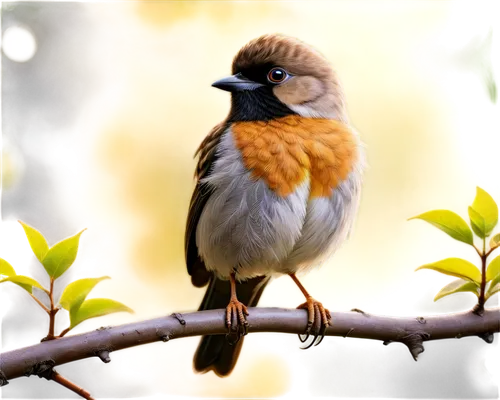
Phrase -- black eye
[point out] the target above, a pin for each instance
(277, 75)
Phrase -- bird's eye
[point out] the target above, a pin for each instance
(277, 75)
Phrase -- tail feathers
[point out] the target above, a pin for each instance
(215, 352)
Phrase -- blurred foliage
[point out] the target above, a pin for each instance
(477, 57)
(11, 167)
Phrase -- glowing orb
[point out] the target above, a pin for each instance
(18, 44)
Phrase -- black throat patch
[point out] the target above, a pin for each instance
(257, 105)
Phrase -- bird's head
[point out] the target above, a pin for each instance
(277, 75)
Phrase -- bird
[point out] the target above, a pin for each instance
(278, 185)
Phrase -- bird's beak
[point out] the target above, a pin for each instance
(236, 83)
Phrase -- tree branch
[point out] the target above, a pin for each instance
(411, 331)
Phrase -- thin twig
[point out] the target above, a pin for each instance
(57, 377)
(40, 303)
(52, 312)
(64, 332)
(411, 331)
(491, 251)
(479, 308)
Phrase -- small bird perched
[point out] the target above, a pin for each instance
(278, 186)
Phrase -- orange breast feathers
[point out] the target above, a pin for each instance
(287, 150)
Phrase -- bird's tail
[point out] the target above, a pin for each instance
(215, 352)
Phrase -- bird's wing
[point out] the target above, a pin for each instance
(207, 156)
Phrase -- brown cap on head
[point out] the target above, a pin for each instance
(296, 56)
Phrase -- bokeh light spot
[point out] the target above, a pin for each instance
(12, 162)
(18, 44)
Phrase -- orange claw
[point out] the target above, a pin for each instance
(318, 317)
(238, 311)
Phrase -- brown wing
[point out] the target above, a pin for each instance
(207, 156)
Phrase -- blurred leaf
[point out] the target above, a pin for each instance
(495, 241)
(6, 269)
(448, 222)
(36, 240)
(492, 290)
(10, 167)
(455, 267)
(456, 286)
(95, 308)
(486, 207)
(25, 282)
(75, 293)
(477, 223)
(493, 269)
(61, 256)
(495, 281)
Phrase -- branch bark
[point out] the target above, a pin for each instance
(411, 331)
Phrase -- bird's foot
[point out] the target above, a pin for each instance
(319, 318)
(236, 320)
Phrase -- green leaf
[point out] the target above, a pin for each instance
(448, 222)
(95, 308)
(75, 293)
(492, 290)
(61, 256)
(493, 287)
(455, 267)
(6, 269)
(36, 240)
(486, 207)
(495, 279)
(493, 269)
(458, 285)
(495, 241)
(477, 223)
(25, 282)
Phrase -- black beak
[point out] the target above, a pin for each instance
(236, 83)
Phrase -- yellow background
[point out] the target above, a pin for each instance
(138, 133)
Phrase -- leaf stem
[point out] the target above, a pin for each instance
(64, 332)
(56, 377)
(479, 308)
(40, 303)
(491, 251)
(52, 312)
